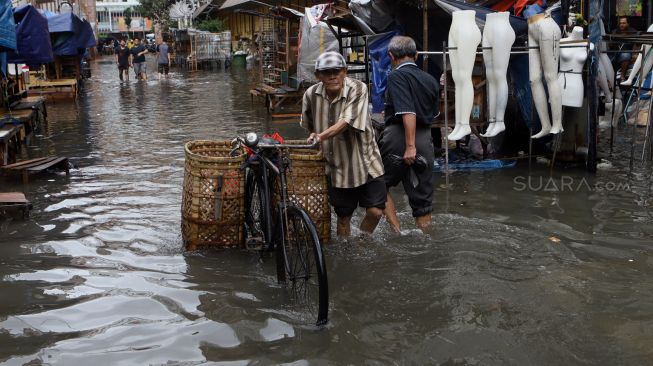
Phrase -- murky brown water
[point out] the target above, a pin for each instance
(97, 275)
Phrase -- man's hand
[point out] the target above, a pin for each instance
(409, 155)
(313, 138)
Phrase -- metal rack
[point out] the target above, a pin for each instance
(268, 49)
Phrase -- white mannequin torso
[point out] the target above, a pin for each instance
(572, 60)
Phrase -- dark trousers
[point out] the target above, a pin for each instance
(420, 197)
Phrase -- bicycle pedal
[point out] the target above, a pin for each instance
(255, 243)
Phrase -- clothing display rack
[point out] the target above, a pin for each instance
(515, 50)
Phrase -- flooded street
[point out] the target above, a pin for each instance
(551, 270)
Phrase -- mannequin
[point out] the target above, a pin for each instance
(572, 59)
(543, 32)
(605, 66)
(464, 36)
(499, 35)
(648, 62)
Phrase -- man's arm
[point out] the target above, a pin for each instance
(410, 123)
(334, 130)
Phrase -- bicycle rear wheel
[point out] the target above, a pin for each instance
(305, 267)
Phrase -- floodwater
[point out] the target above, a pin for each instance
(551, 271)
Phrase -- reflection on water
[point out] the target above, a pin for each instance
(509, 274)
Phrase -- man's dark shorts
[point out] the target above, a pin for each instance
(371, 194)
(393, 142)
(164, 68)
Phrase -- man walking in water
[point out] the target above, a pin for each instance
(163, 58)
(411, 104)
(123, 59)
(138, 59)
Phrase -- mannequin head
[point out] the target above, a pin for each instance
(402, 49)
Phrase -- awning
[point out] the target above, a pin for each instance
(237, 3)
(7, 27)
(32, 37)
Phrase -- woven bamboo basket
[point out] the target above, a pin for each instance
(213, 201)
(307, 187)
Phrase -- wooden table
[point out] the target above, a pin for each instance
(15, 200)
(58, 84)
(8, 144)
(34, 103)
(27, 117)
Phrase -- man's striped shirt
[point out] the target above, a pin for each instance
(352, 155)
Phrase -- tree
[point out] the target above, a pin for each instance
(127, 15)
(157, 10)
(211, 25)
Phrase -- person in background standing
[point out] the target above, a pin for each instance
(624, 59)
(123, 59)
(163, 58)
(138, 59)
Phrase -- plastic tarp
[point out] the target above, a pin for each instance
(33, 38)
(381, 67)
(315, 38)
(7, 27)
(70, 34)
(375, 13)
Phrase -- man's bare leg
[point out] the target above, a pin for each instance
(390, 213)
(371, 220)
(344, 227)
(422, 222)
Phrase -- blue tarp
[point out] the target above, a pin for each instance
(381, 67)
(70, 35)
(7, 27)
(33, 38)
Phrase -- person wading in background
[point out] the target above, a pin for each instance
(123, 59)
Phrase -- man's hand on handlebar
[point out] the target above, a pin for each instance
(313, 139)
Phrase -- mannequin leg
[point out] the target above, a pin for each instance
(455, 69)
(537, 88)
(550, 51)
(602, 80)
(466, 56)
(635, 71)
(607, 67)
(491, 81)
(501, 58)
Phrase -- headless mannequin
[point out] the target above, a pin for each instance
(543, 32)
(648, 63)
(499, 35)
(605, 66)
(572, 59)
(465, 36)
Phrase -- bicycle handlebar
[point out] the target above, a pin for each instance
(242, 141)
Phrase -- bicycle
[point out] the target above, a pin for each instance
(285, 228)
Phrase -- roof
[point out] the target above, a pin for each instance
(234, 3)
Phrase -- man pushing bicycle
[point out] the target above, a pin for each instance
(335, 111)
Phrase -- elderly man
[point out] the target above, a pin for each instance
(335, 111)
(406, 145)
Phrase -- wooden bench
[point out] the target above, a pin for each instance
(15, 201)
(27, 117)
(35, 166)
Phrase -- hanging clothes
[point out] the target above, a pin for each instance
(517, 5)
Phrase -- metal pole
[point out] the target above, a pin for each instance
(425, 34)
(446, 116)
(639, 94)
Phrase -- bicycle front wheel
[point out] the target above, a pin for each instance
(255, 215)
(305, 267)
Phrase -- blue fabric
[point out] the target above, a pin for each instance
(3, 63)
(7, 27)
(381, 67)
(70, 34)
(33, 38)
